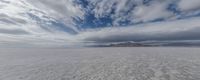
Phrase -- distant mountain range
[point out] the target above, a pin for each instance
(152, 44)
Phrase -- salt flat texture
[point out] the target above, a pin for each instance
(164, 63)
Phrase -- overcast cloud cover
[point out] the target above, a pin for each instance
(76, 22)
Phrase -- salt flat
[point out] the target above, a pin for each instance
(144, 63)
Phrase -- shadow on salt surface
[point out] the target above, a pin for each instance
(101, 64)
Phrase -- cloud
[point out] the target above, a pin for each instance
(155, 10)
(188, 5)
(11, 20)
(13, 31)
(64, 7)
(61, 9)
(131, 10)
(187, 29)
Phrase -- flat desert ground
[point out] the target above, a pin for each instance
(130, 63)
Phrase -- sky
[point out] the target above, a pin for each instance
(83, 22)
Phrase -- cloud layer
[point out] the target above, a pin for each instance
(75, 22)
(186, 29)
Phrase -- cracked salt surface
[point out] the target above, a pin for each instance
(153, 63)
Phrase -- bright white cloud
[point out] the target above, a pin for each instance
(61, 9)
